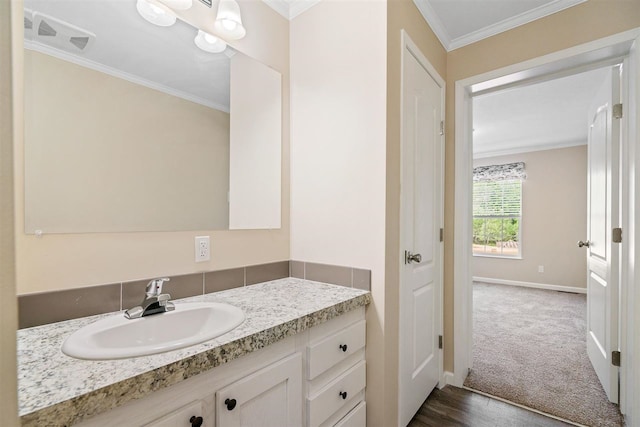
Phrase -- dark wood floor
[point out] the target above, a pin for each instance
(454, 406)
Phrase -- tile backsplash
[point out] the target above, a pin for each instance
(335, 274)
(49, 307)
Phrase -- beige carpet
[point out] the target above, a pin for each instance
(529, 347)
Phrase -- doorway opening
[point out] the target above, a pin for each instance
(602, 53)
(530, 207)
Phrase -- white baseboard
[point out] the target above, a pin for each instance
(573, 289)
(449, 379)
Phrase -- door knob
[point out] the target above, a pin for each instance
(581, 243)
(409, 257)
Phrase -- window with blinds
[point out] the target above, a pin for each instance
(497, 216)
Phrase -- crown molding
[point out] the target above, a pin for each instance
(290, 9)
(449, 44)
(96, 66)
(483, 154)
(280, 6)
(513, 22)
(434, 22)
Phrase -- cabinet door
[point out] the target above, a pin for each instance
(182, 417)
(270, 397)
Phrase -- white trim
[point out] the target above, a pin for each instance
(280, 6)
(513, 22)
(617, 45)
(434, 22)
(574, 289)
(290, 9)
(96, 66)
(462, 250)
(440, 30)
(528, 149)
(448, 379)
(630, 294)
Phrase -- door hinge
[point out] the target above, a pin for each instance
(617, 235)
(441, 127)
(615, 358)
(442, 234)
(617, 111)
(440, 342)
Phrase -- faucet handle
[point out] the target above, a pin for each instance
(154, 287)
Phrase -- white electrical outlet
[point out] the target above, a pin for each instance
(202, 249)
(541, 269)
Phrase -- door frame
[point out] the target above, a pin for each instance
(408, 46)
(601, 52)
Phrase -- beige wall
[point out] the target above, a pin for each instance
(106, 155)
(338, 83)
(401, 14)
(554, 218)
(72, 260)
(579, 24)
(8, 307)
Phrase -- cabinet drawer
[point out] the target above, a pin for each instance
(181, 417)
(335, 348)
(356, 418)
(336, 394)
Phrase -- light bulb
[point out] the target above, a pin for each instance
(228, 24)
(156, 13)
(156, 9)
(209, 43)
(178, 4)
(228, 21)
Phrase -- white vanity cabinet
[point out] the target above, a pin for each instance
(315, 378)
(336, 372)
(270, 397)
(188, 416)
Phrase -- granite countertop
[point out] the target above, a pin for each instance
(54, 389)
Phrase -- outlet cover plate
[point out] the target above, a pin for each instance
(202, 248)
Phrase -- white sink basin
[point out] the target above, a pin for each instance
(117, 337)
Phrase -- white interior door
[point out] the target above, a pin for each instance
(603, 216)
(421, 219)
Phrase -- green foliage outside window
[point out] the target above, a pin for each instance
(497, 217)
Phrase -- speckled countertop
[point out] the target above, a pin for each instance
(54, 389)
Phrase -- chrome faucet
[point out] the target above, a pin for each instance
(154, 301)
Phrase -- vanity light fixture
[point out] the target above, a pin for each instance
(156, 13)
(178, 4)
(209, 43)
(229, 21)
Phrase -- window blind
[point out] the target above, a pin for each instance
(497, 199)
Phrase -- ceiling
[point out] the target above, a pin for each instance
(551, 114)
(128, 47)
(458, 23)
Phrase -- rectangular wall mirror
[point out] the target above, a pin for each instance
(131, 127)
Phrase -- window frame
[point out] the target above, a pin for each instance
(501, 217)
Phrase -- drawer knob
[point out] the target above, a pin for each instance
(343, 394)
(231, 403)
(196, 421)
(343, 347)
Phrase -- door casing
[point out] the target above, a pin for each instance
(606, 51)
